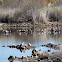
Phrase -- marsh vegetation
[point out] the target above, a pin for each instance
(31, 11)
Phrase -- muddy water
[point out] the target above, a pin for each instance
(35, 36)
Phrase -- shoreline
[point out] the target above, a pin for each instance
(28, 24)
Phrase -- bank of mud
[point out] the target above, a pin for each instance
(37, 55)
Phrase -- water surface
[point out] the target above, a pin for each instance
(36, 36)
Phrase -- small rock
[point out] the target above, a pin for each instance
(11, 58)
(18, 46)
(12, 46)
(3, 46)
(17, 58)
(22, 45)
(29, 44)
(50, 45)
(22, 50)
(49, 50)
(43, 57)
(39, 60)
(35, 52)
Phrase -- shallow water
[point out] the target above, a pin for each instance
(35, 36)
